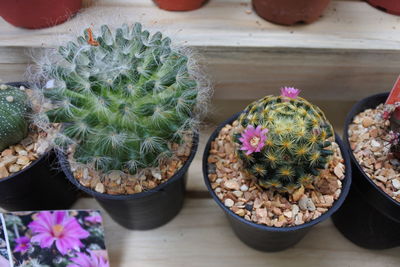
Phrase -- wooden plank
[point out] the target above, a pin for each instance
(200, 236)
(222, 23)
(248, 74)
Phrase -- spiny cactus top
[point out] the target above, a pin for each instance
(285, 140)
(13, 111)
(123, 98)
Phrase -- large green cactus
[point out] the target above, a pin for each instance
(123, 98)
(13, 111)
(285, 141)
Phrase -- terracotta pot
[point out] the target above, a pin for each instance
(390, 6)
(179, 5)
(35, 14)
(289, 12)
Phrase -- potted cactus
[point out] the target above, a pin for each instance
(290, 12)
(371, 134)
(276, 169)
(26, 162)
(128, 104)
(179, 5)
(36, 14)
(390, 6)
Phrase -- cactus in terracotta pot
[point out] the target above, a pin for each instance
(289, 12)
(179, 5)
(285, 141)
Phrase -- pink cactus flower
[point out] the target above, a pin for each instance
(92, 260)
(59, 228)
(23, 244)
(290, 92)
(253, 140)
(94, 218)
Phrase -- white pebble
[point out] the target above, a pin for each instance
(10, 99)
(3, 87)
(396, 184)
(229, 202)
(374, 143)
(295, 209)
(244, 188)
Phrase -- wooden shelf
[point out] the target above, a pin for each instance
(349, 25)
(201, 236)
(351, 52)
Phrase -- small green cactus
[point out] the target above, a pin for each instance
(13, 111)
(285, 141)
(123, 98)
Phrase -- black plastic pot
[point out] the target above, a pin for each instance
(369, 217)
(40, 186)
(266, 238)
(146, 210)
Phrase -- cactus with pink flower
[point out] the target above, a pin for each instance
(284, 140)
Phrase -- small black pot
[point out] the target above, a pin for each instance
(146, 210)
(40, 186)
(266, 238)
(369, 217)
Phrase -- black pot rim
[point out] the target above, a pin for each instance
(42, 157)
(180, 173)
(349, 120)
(326, 215)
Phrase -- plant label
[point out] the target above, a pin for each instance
(394, 95)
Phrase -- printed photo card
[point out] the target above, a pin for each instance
(72, 238)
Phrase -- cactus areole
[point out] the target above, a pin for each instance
(286, 141)
(13, 111)
(122, 97)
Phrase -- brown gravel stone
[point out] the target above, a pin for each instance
(298, 194)
(4, 172)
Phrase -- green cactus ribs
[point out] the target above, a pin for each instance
(122, 97)
(13, 122)
(285, 142)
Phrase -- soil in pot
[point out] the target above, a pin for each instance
(290, 12)
(373, 205)
(36, 14)
(390, 6)
(180, 5)
(265, 219)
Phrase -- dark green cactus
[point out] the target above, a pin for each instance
(13, 111)
(285, 142)
(123, 98)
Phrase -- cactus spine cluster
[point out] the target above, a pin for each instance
(13, 111)
(295, 142)
(123, 98)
